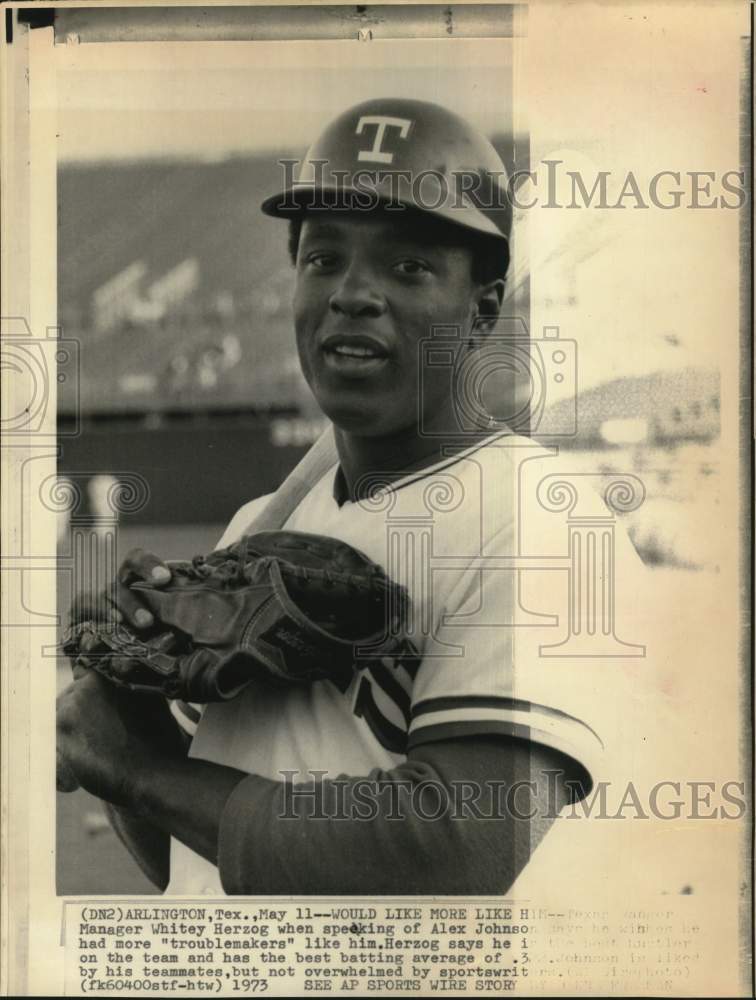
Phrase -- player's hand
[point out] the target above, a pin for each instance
(108, 739)
(117, 602)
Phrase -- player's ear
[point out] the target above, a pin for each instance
(489, 298)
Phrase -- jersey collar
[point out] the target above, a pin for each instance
(454, 454)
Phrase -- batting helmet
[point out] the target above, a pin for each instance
(396, 152)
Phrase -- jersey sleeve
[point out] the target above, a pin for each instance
(501, 660)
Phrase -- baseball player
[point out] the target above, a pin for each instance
(404, 781)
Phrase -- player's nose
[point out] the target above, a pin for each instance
(357, 293)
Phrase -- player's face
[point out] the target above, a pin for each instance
(369, 289)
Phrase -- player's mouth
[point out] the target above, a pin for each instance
(355, 356)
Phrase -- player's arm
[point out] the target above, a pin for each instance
(149, 846)
(104, 735)
(335, 835)
(461, 816)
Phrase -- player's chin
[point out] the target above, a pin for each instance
(359, 404)
(360, 418)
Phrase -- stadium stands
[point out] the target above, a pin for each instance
(176, 285)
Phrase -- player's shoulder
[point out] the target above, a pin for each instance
(516, 448)
(491, 479)
(241, 520)
(502, 452)
(547, 488)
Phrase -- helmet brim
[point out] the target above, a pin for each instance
(298, 200)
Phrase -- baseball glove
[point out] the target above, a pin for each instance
(281, 606)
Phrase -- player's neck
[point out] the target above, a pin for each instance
(367, 461)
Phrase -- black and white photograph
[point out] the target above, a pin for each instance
(377, 497)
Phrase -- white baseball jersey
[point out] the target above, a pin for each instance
(514, 620)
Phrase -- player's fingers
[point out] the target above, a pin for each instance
(142, 565)
(114, 616)
(130, 606)
(78, 668)
(87, 655)
(125, 668)
(91, 606)
(122, 668)
(166, 642)
(138, 565)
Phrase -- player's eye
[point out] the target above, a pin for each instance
(411, 266)
(321, 261)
